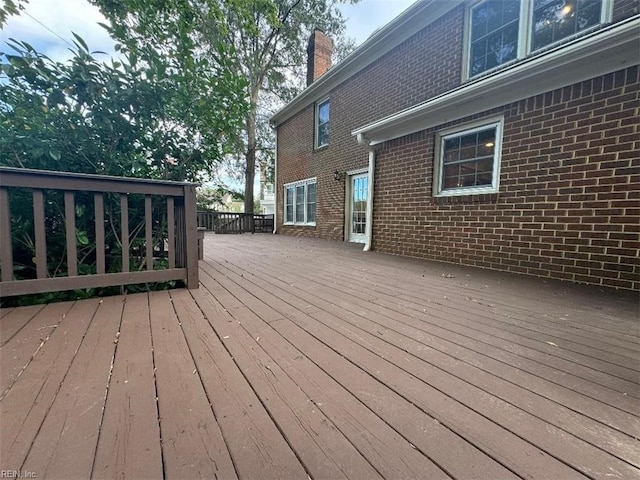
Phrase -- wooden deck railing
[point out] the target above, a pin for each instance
(227, 222)
(175, 245)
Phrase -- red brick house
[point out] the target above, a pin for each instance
(500, 134)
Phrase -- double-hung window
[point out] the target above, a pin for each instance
(322, 124)
(300, 202)
(468, 159)
(500, 31)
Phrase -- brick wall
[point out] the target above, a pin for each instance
(397, 80)
(555, 153)
(569, 200)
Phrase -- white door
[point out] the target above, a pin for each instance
(359, 190)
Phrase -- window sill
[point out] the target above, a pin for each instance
(460, 192)
(289, 224)
(320, 148)
(467, 198)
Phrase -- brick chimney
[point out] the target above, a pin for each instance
(319, 53)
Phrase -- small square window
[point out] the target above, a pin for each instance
(322, 124)
(468, 160)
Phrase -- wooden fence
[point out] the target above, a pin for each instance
(176, 244)
(227, 222)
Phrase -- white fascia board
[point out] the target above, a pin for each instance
(403, 27)
(604, 51)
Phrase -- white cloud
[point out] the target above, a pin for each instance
(44, 21)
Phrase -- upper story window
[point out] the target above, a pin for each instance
(322, 124)
(494, 34)
(300, 202)
(554, 20)
(468, 159)
(503, 30)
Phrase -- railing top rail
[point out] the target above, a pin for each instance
(52, 180)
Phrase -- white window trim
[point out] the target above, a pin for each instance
(458, 130)
(305, 182)
(524, 35)
(316, 123)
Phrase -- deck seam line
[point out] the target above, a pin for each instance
(33, 355)
(155, 386)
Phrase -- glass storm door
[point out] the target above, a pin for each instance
(358, 208)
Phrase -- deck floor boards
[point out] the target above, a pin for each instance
(299, 358)
(440, 393)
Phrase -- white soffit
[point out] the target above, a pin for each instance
(601, 52)
(404, 26)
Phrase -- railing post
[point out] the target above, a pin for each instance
(191, 236)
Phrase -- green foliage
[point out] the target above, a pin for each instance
(9, 8)
(123, 118)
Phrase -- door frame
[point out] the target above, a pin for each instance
(347, 201)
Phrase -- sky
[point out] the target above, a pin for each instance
(46, 24)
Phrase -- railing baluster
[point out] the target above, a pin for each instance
(39, 232)
(181, 257)
(124, 225)
(171, 232)
(148, 231)
(70, 223)
(98, 203)
(6, 248)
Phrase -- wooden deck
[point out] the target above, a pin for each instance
(305, 359)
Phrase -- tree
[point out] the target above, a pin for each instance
(270, 39)
(9, 8)
(265, 41)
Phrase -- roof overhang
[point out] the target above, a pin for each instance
(604, 51)
(403, 27)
